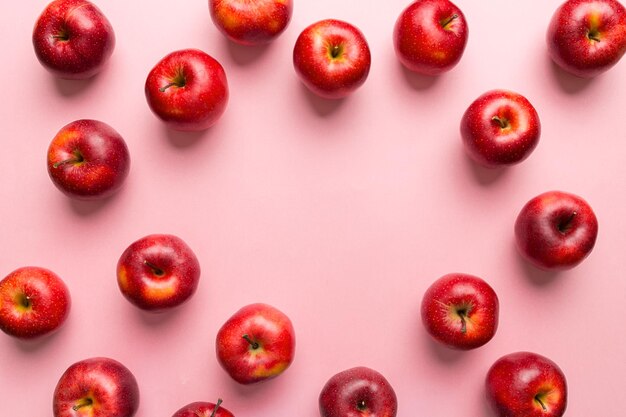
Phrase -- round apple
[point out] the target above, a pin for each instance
(430, 36)
(251, 22)
(73, 39)
(332, 58)
(257, 343)
(500, 128)
(461, 311)
(187, 90)
(98, 387)
(556, 230)
(525, 384)
(33, 302)
(88, 159)
(587, 37)
(203, 409)
(158, 272)
(358, 392)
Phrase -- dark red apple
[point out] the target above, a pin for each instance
(187, 90)
(332, 58)
(460, 311)
(158, 272)
(257, 343)
(556, 230)
(88, 159)
(202, 409)
(587, 37)
(73, 39)
(251, 22)
(430, 36)
(96, 387)
(525, 384)
(33, 302)
(500, 128)
(358, 392)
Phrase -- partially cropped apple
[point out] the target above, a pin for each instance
(257, 343)
(500, 128)
(203, 409)
(158, 272)
(88, 159)
(187, 90)
(526, 384)
(96, 387)
(461, 311)
(34, 301)
(556, 230)
(73, 39)
(358, 392)
(430, 36)
(587, 37)
(332, 58)
(249, 22)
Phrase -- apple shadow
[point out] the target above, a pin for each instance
(181, 139)
(29, 346)
(419, 82)
(244, 55)
(156, 319)
(569, 83)
(85, 208)
(485, 176)
(538, 277)
(442, 353)
(70, 88)
(324, 107)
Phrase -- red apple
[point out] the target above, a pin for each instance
(257, 343)
(358, 392)
(587, 37)
(158, 272)
(460, 311)
(430, 36)
(500, 128)
(96, 387)
(525, 384)
(556, 230)
(187, 89)
(332, 58)
(88, 159)
(251, 22)
(73, 39)
(33, 302)
(202, 409)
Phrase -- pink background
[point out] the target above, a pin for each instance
(340, 214)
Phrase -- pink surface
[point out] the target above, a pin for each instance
(340, 214)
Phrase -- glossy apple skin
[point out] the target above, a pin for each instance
(358, 392)
(34, 301)
(158, 272)
(556, 230)
(519, 383)
(587, 37)
(430, 36)
(88, 160)
(264, 325)
(98, 387)
(329, 76)
(203, 409)
(251, 22)
(187, 90)
(500, 128)
(461, 311)
(89, 39)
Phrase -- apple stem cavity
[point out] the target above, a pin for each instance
(538, 399)
(83, 402)
(219, 402)
(361, 406)
(253, 344)
(335, 51)
(502, 122)
(593, 35)
(24, 301)
(566, 225)
(445, 23)
(462, 314)
(155, 269)
(178, 81)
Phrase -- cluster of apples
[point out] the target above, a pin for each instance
(188, 91)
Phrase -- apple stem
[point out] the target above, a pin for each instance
(565, 226)
(157, 271)
(449, 20)
(593, 35)
(219, 401)
(335, 51)
(538, 399)
(162, 89)
(83, 402)
(254, 344)
(75, 159)
(24, 301)
(502, 122)
(361, 406)
(463, 322)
